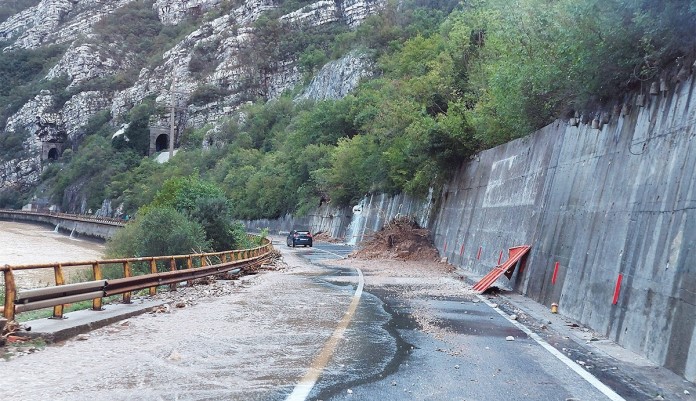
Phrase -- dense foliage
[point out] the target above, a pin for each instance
(452, 78)
(162, 231)
(21, 77)
(199, 220)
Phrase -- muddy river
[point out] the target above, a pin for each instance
(22, 244)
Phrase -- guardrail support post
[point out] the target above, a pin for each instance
(172, 267)
(58, 309)
(96, 270)
(189, 265)
(10, 294)
(127, 273)
(153, 270)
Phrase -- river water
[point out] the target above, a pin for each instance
(22, 244)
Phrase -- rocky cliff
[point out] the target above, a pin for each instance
(219, 55)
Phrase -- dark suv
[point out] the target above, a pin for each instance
(299, 237)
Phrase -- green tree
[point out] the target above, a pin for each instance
(205, 203)
(162, 231)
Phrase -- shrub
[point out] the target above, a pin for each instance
(162, 231)
(207, 94)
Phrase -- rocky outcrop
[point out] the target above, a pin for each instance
(338, 78)
(55, 21)
(224, 42)
(82, 63)
(171, 12)
(353, 12)
(80, 108)
(16, 174)
(319, 13)
(25, 118)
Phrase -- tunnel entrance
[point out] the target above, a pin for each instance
(162, 142)
(53, 154)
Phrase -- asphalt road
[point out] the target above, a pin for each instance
(322, 327)
(385, 355)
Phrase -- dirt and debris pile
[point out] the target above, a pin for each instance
(11, 331)
(402, 238)
(326, 237)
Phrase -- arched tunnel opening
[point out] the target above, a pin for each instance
(53, 154)
(162, 142)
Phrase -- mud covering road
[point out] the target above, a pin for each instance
(417, 334)
(250, 345)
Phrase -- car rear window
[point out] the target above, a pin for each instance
(303, 232)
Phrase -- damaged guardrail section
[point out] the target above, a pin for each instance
(162, 270)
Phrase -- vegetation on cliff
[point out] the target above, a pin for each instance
(454, 78)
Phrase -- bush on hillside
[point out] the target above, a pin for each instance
(162, 231)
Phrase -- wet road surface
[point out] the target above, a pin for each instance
(416, 334)
(386, 354)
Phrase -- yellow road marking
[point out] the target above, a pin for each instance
(306, 384)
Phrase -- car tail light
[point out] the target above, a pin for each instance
(295, 235)
(309, 235)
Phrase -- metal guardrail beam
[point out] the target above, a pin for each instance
(47, 303)
(39, 294)
(57, 296)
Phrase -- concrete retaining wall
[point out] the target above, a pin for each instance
(606, 202)
(354, 224)
(601, 203)
(74, 225)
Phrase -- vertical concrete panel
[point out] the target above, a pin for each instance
(619, 200)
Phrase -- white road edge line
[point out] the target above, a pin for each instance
(306, 384)
(340, 256)
(603, 388)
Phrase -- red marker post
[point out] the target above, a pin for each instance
(617, 289)
(478, 254)
(555, 274)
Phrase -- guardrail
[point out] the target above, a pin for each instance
(181, 268)
(66, 216)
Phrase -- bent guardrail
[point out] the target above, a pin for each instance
(163, 270)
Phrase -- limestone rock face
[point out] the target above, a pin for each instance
(171, 12)
(338, 78)
(25, 118)
(82, 63)
(55, 21)
(319, 13)
(355, 11)
(217, 56)
(16, 174)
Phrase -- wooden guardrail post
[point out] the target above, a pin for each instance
(10, 295)
(153, 270)
(96, 270)
(172, 267)
(127, 273)
(58, 309)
